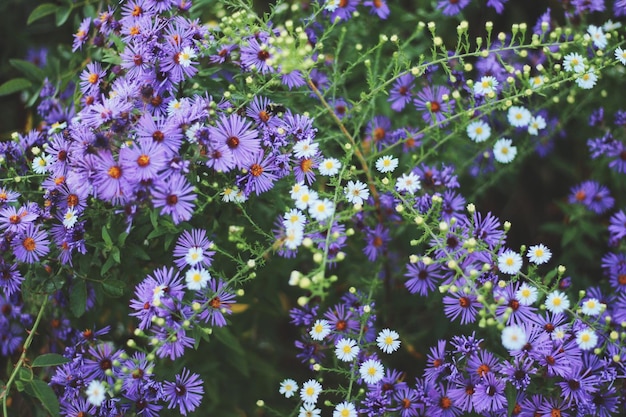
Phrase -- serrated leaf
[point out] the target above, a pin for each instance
(14, 85)
(114, 287)
(78, 298)
(49, 359)
(29, 69)
(62, 15)
(46, 395)
(41, 11)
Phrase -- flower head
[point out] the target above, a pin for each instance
(510, 262)
(539, 254)
(371, 371)
(387, 341)
(288, 387)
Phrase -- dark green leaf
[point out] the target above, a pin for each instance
(115, 254)
(29, 69)
(41, 11)
(14, 85)
(46, 395)
(78, 297)
(110, 262)
(511, 398)
(49, 359)
(25, 374)
(62, 14)
(114, 287)
(139, 253)
(106, 236)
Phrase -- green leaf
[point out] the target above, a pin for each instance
(106, 236)
(78, 298)
(110, 262)
(29, 69)
(49, 359)
(511, 398)
(115, 254)
(62, 14)
(14, 85)
(46, 395)
(41, 11)
(114, 287)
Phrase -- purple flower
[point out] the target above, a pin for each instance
(192, 247)
(378, 7)
(440, 403)
(594, 196)
(518, 373)
(400, 93)
(436, 363)
(489, 395)
(91, 78)
(218, 300)
(614, 266)
(422, 278)
(432, 105)
(80, 37)
(497, 5)
(30, 244)
(176, 196)
(143, 160)
(379, 132)
(344, 10)
(255, 55)
(409, 402)
(260, 176)
(109, 179)
(185, 393)
(377, 240)
(452, 7)
(13, 220)
(233, 134)
(343, 322)
(10, 278)
(464, 305)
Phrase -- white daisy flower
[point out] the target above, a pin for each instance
(536, 124)
(587, 80)
(356, 192)
(518, 116)
(486, 85)
(591, 307)
(386, 164)
(557, 302)
(513, 337)
(293, 237)
(504, 151)
(526, 294)
(321, 209)
(96, 392)
(509, 262)
(186, 56)
(330, 167)
(305, 198)
(194, 256)
(229, 194)
(311, 389)
(296, 189)
(240, 197)
(288, 387)
(331, 5)
(409, 183)
(478, 131)
(558, 333)
(294, 218)
(387, 341)
(371, 371)
(41, 163)
(344, 409)
(70, 218)
(610, 25)
(574, 62)
(539, 254)
(597, 36)
(620, 55)
(197, 278)
(586, 339)
(346, 350)
(305, 148)
(537, 81)
(309, 410)
(320, 329)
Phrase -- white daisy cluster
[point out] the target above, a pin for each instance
(486, 86)
(586, 77)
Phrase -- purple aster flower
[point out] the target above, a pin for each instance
(617, 153)
(254, 55)
(594, 196)
(30, 244)
(179, 62)
(452, 7)
(400, 93)
(303, 169)
(508, 303)
(10, 278)
(185, 393)
(617, 227)
(379, 132)
(343, 322)
(497, 5)
(489, 395)
(464, 305)
(344, 10)
(440, 404)
(260, 176)
(293, 79)
(218, 300)
(432, 105)
(176, 196)
(483, 363)
(136, 59)
(78, 406)
(91, 78)
(100, 360)
(409, 403)
(340, 106)
(579, 384)
(235, 135)
(436, 363)
(143, 160)
(109, 180)
(172, 340)
(588, 6)
(619, 8)
(462, 393)
(319, 79)
(553, 407)
(376, 240)
(164, 285)
(519, 372)
(423, 278)
(8, 196)
(614, 266)
(304, 316)
(378, 7)
(14, 220)
(192, 248)
(80, 37)
(260, 111)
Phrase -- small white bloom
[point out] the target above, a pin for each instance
(371, 371)
(309, 410)
(41, 163)
(346, 350)
(356, 192)
(513, 337)
(510, 262)
(597, 36)
(387, 341)
(229, 194)
(559, 333)
(526, 294)
(330, 167)
(322, 209)
(311, 389)
(610, 25)
(408, 182)
(288, 387)
(620, 55)
(197, 278)
(518, 116)
(537, 81)
(557, 302)
(574, 62)
(504, 151)
(96, 392)
(586, 339)
(294, 237)
(296, 189)
(478, 131)
(536, 124)
(344, 409)
(305, 198)
(70, 218)
(186, 56)
(591, 307)
(486, 85)
(305, 148)
(194, 256)
(157, 293)
(190, 134)
(587, 80)
(320, 329)
(539, 254)
(386, 164)
(294, 218)
(331, 5)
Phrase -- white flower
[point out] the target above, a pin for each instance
(513, 337)
(229, 194)
(478, 131)
(346, 350)
(558, 333)
(186, 56)
(586, 339)
(305, 148)
(197, 279)
(194, 256)
(321, 209)
(41, 163)
(320, 329)
(587, 80)
(509, 262)
(518, 116)
(294, 218)
(309, 410)
(330, 167)
(536, 124)
(288, 387)
(597, 36)
(526, 294)
(95, 392)
(356, 192)
(310, 391)
(305, 198)
(344, 409)
(331, 5)
(539, 254)
(296, 189)
(504, 151)
(574, 62)
(609, 25)
(620, 55)
(387, 341)
(591, 307)
(386, 164)
(70, 218)
(486, 85)
(537, 81)
(557, 302)
(408, 182)
(294, 237)
(371, 371)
